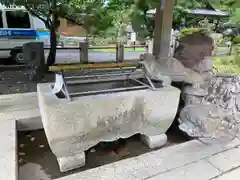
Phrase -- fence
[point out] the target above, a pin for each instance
(34, 56)
(84, 50)
(120, 48)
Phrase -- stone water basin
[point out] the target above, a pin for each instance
(72, 127)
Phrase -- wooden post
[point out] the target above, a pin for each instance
(134, 45)
(83, 52)
(163, 27)
(120, 52)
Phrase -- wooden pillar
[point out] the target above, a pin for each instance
(163, 27)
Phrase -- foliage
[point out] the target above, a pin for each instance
(188, 31)
(236, 40)
(206, 25)
(237, 54)
(92, 14)
(236, 16)
(228, 64)
(133, 12)
(183, 7)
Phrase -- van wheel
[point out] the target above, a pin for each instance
(17, 57)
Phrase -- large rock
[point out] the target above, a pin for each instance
(193, 49)
(75, 126)
(208, 123)
(212, 115)
(168, 67)
(224, 91)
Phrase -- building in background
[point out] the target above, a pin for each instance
(70, 28)
(70, 33)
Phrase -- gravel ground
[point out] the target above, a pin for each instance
(16, 81)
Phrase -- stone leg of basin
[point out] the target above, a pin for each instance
(154, 141)
(67, 163)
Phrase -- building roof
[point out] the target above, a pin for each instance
(209, 12)
(198, 12)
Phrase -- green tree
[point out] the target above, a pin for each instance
(45, 10)
(87, 13)
(136, 11)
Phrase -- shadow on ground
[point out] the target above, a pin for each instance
(37, 160)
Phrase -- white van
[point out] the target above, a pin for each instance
(16, 28)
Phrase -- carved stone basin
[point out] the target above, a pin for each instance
(75, 126)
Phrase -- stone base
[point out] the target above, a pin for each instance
(154, 141)
(78, 160)
(71, 162)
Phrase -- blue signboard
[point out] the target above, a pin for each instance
(17, 33)
(43, 33)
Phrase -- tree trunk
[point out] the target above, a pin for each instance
(53, 36)
(53, 45)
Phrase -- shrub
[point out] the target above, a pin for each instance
(189, 31)
(236, 39)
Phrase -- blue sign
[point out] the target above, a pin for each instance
(17, 33)
(43, 33)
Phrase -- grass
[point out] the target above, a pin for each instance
(125, 50)
(228, 64)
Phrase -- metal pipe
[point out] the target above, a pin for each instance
(65, 88)
(100, 75)
(150, 82)
(109, 91)
(87, 81)
(142, 83)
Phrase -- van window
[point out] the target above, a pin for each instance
(18, 19)
(1, 20)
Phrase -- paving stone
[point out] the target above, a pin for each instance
(227, 160)
(18, 95)
(234, 143)
(23, 108)
(20, 114)
(150, 164)
(18, 102)
(8, 157)
(232, 175)
(201, 170)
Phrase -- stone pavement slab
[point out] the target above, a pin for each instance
(8, 154)
(227, 160)
(232, 175)
(23, 108)
(153, 163)
(201, 170)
